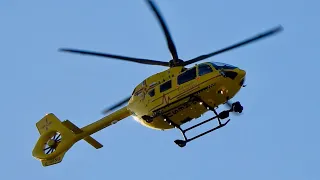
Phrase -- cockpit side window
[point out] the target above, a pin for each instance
(165, 86)
(204, 69)
(151, 93)
(187, 76)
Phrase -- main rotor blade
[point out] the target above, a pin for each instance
(137, 60)
(116, 105)
(170, 43)
(247, 41)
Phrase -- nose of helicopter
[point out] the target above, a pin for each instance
(238, 75)
(242, 76)
(235, 74)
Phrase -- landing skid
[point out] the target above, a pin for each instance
(236, 107)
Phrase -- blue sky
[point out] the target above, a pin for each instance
(275, 138)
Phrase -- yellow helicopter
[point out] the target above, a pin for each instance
(166, 100)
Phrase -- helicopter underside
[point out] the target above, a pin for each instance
(192, 106)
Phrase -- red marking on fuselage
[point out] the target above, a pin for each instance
(183, 93)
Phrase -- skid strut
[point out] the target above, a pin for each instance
(217, 116)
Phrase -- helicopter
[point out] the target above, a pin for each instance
(166, 100)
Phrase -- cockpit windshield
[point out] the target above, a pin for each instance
(219, 65)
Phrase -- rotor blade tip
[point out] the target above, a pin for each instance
(62, 49)
(279, 28)
(104, 112)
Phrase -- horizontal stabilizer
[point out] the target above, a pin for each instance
(68, 124)
(93, 142)
(77, 130)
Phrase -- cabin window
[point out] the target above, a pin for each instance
(204, 69)
(151, 93)
(165, 86)
(187, 76)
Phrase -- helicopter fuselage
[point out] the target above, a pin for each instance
(170, 93)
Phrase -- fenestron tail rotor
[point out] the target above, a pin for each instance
(52, 143)
(57, 137)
